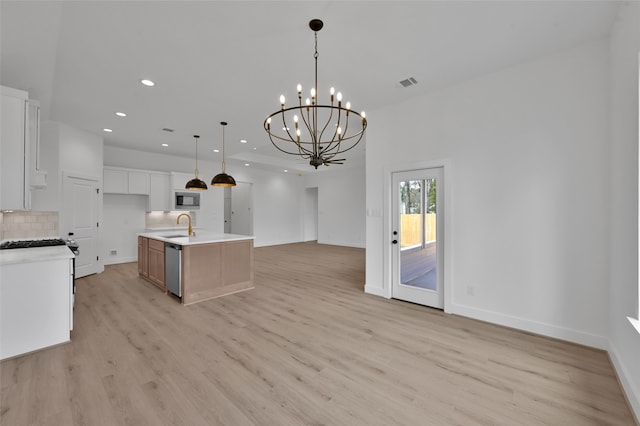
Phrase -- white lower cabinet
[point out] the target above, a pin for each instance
(36, 305)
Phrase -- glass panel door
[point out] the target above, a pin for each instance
(417, 256)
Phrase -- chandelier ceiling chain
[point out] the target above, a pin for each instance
(328, 129)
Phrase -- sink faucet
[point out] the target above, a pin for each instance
(190, 230)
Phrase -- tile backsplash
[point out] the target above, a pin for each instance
(22, 225)
(162, 220)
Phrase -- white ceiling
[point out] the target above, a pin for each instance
(229, 61)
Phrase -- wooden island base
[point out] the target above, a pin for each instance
(209, 269)
(214, 270)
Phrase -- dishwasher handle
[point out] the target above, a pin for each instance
(173, 246)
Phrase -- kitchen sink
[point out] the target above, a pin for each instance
(175, 236)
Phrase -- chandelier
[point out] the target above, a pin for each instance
(313, 131)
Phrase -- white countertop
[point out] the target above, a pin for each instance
(201, 237)
(34, 254)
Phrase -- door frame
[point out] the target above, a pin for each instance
(389, 170)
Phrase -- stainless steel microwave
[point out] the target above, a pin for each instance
(187, 201)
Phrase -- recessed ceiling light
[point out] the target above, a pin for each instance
(216, 150)
(246, 164)
(165, 144)
(243, 141)
(254, 148)
(285, 170)
(147, 82)
(108, 130)
(121, 114)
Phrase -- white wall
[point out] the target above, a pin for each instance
(341, 205)
(311, 214)
(528, 176)
(124, 218)
(624, 339)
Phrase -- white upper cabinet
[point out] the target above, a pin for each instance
(125, 181)
(14, 150)
(179, 180)
(115, 181)
(138, 182)
(159, 191)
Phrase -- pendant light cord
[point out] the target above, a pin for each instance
(197, 171)
(223, 165)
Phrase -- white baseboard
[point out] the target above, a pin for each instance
(628, 387)
(342, 243)
(544, 329)
(115, 260)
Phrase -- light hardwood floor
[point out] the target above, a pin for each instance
(306, 346)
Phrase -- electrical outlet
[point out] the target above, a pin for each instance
(114, 252)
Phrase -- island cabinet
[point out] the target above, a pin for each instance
(217, 269)
(143, 256)
(151, 261)
(156, 263)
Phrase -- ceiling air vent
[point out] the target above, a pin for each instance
(166, 129)
(408, 82)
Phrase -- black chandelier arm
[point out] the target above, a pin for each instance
(305, 153)
(329, 119)
(307, 119)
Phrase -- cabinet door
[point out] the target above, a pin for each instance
(13, 154)
(156, 267)
(143, 256)
(140, 255)
(156, 262)
(115, 181)
(159, 191)
(138, 183)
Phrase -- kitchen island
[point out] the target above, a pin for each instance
(208, 264)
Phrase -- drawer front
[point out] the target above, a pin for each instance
(156, 245)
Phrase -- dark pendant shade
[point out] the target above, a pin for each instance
(223, 179)
(196, 184)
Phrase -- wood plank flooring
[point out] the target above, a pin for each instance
(306, 347)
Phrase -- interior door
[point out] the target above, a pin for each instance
(417, 249)
(241, 209)
(80, 216)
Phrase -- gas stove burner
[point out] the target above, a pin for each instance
(32, 243)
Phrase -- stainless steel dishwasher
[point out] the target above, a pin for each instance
(173, 268)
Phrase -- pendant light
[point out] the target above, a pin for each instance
(196, 184)
(223, 179)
